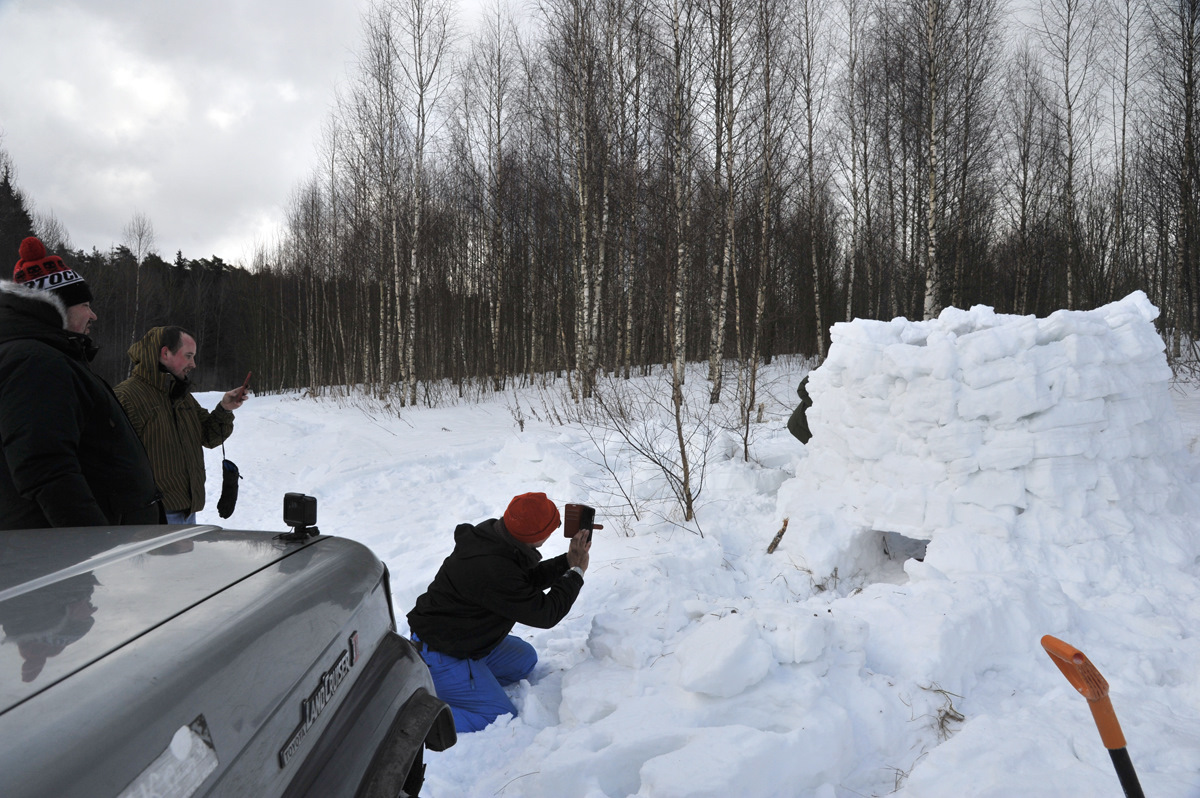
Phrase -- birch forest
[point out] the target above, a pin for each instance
(599, 187)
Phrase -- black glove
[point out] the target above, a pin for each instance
(229, 488)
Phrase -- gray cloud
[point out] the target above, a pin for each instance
(204, 116)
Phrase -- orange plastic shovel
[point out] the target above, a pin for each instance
(1084, 677)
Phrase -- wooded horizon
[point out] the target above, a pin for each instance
(605, 185)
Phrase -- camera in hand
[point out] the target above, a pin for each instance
(577, 517)
(300, 513)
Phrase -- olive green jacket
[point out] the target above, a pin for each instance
(172, 425)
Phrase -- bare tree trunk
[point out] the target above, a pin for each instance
(771, 21)
(812, 71)
(934, 75)
(853, 102)
(726, 92)
(681, 21)
(1068, 32)
(1128, 13)
(426, 42)
(140, 239)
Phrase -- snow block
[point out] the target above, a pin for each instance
(723, 657)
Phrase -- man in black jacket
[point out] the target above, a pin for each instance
(494, 579)
(70, 456)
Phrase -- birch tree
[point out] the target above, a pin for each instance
(1029, 135)
(812, 67)
(1125, 76)
(627, 56)
(1069, 34)
(424, 49)
(679, 52)
(378, 145)
(937, 24)
(971, 116)
(488, 86)
(774, 90)
(855, 101)
(577, 48)
(140, 240)
(1176, 32)
(728, 65)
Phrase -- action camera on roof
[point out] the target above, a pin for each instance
(300, 513)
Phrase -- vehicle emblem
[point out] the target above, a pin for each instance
(312, 707)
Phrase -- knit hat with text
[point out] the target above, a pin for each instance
(531, 517)
(37, 270)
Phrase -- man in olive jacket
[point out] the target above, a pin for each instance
(68, 456)
(169, 420)
(494, 579)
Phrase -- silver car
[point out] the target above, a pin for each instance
(200, 661)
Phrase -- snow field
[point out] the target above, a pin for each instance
(1041, 458)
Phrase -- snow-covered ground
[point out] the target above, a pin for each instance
(1049, 463)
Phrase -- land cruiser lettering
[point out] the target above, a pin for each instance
(312, 707)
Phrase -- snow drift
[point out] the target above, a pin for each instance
(1039, 458)
(1042, 460)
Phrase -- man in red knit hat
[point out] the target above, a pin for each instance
(495, 578)
(68, 455)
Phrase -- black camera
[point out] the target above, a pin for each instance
(300, 513)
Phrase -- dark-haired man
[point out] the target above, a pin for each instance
(68, 455)
(171, 423)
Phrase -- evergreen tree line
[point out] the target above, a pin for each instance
(134, 290)
(605, 185)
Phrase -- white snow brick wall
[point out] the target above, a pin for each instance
(988, 424)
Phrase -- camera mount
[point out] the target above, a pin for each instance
(300, 513)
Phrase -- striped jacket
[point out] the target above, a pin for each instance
(172, 425)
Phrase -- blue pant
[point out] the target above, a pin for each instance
(181, 518)
(474, 688)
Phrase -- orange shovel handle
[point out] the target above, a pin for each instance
(1084, 677)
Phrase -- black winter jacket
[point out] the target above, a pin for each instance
(798, 421)
(489, 583)
(70, 456)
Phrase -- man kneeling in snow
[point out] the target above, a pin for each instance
(492, 580)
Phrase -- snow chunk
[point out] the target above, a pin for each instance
(723, 657)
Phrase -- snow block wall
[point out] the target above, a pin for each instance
(978, 431)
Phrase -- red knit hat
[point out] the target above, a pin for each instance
(37, 270)
(531, 517)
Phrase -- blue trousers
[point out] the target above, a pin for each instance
(181, 518)
(474, 688)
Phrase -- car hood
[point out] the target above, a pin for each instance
(70, 596)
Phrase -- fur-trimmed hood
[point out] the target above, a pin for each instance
(47, 297)
(31, 315)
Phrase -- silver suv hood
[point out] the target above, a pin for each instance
(70, 596)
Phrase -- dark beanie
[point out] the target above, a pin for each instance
(37, 270)
(531, 517)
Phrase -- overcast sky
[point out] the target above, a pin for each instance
(202, 115)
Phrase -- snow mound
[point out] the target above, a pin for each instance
(998, 438)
